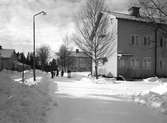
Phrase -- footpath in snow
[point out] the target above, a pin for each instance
(23, 103)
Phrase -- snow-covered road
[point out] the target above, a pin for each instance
(89, 101)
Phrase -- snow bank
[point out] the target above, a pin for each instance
(21, 103)
(155, 97)
(29, 81)
(86, 80)
(161, 89)
(98, 81)
(152, 79)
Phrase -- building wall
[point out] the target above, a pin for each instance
(0, 64)
(137, 59)
(162, 53)
(110, 67)
(7, 63)
(134, 45)
(81, 64)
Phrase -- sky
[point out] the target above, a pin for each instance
(16, 21)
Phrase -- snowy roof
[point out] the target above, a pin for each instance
(134, 18)
(6, 53)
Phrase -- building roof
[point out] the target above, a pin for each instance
(134, 18)
(6, 53)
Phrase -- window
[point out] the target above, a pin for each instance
(163, 42)
(147, 41)
(134, 63)
(160, 63)
(134, 40)
(147, 63)
(137, 40)
(122, 63)
(104, 60)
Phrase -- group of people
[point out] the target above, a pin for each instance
(53, 73)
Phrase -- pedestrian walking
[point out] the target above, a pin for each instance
(52, 74)
(69, 73)
(62, 73)
(57, 72)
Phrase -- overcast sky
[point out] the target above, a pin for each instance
(16, 21)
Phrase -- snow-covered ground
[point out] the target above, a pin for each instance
(103, 88)
(23, 103)
(28, 102)
(82, 99)
(155, 97)
(151, 91)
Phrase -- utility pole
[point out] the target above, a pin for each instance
(34, 59)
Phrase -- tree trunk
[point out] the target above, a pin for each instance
(23, 74)
(91, 67)
(96, 70)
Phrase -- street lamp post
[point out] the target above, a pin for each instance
(43, 13)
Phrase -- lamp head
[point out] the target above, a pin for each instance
(44, 13)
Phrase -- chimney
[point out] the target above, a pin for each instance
(77, 50)
(134, 11)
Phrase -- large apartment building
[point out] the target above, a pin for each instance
(140, 46)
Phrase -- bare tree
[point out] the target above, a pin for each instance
(67, 41)
(154, 9)
(94, 39)
(43, 55)
(65, 59)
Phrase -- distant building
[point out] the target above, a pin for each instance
(81, 62)
(140, 46)
(7, 58)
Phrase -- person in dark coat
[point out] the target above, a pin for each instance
(57, 72)
(62, 73)
(69, 73)
(52, 74)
